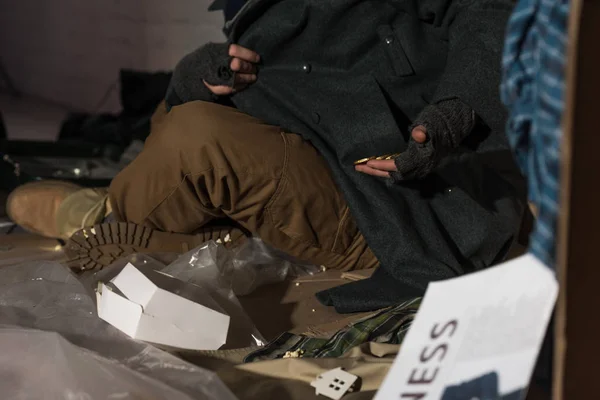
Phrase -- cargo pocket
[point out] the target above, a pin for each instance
(395, 51)
(307, 205)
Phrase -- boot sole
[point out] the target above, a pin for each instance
(99, 246)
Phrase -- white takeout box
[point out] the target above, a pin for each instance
(148, 311)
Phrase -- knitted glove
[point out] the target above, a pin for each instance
(210, 63)
(447, 123)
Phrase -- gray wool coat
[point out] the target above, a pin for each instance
(351, 76)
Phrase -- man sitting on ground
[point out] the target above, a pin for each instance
(349, 134)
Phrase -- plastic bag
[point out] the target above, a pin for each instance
(256, 264)
(209, 290)
(90, 359)
(243, 269)
(53, 345)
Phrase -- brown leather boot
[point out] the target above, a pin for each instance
(56, 209)
(64, 210)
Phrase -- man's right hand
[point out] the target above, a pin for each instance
(243, 63)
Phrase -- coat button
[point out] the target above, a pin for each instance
(316, 117)
(389, 40)
(307, 68)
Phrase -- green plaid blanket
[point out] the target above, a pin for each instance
(387, 326)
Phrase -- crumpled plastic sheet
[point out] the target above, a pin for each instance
(53, 346)
(243, 270)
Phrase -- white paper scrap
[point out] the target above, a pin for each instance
(476, 336)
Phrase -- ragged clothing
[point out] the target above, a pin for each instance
(533, 89)
(377, 67)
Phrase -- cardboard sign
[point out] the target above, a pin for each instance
(476, 336)
(148, 308)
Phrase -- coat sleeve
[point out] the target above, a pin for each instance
(475, 33)
(469, 89)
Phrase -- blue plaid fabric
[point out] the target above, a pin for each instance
(533, 88)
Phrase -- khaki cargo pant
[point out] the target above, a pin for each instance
(204, 162)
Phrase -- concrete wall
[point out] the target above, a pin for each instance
(70, 51)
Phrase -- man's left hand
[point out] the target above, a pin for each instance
(382, 168)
